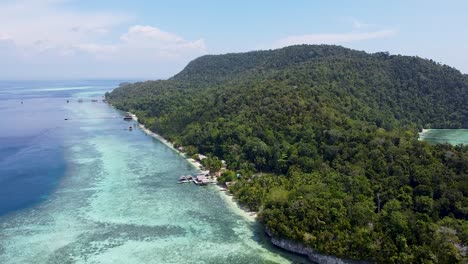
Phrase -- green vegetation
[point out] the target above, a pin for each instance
(213, 164)
(333, 132)
(227, 176)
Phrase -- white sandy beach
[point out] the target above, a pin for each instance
(229, 199)
(422, 133)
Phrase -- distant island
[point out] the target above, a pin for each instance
(323, 142)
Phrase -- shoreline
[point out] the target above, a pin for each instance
(423, 133)
(248, 215)
(454, 137)
(228, 199)
(169, 144)
(236, 207)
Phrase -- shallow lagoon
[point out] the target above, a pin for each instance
(117, 201)
(451, 136)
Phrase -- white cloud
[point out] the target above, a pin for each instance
(50, 22)
(156, 41)
(146, 43)
(46, 38)
(333, 38)
(4, 36)
(142, 33)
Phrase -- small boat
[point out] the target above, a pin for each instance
(128, 117)
(184, 181)
(130, 128)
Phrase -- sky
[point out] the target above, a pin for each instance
(151, 39)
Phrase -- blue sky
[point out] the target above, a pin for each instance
(75, 39)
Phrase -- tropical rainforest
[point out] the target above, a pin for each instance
(323, 142)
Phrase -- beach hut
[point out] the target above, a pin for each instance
(201, 180)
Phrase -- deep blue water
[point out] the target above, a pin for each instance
(32, 114)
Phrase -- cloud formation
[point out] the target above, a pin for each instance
(146, 42)
(156, 41)
(48, 23)
(46, 39)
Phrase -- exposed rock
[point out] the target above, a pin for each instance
(313, 255)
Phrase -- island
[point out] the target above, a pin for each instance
(322, 142)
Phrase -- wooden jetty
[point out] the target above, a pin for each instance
(201, 180)
(197, 180)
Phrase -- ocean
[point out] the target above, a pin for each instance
(77, 186)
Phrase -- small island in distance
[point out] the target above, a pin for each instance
(323, 142)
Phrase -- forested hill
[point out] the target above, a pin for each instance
(213, 68)
(382, 88)
(337, 130)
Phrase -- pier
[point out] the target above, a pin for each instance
(198, 180)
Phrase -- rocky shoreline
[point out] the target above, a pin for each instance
(313, 255)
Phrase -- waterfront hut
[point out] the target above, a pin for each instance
(201, 180)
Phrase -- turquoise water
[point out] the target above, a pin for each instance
(451, 136)
(109, 194)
